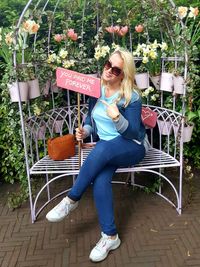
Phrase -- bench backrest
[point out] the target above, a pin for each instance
(56, 122)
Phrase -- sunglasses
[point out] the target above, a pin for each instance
(114, 70)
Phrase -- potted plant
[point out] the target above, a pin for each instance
(19, 79)
(33, 83)
(189, 124)
(151, 54)
(141, 77)
(166, 81)
(165, 125)
(178, 81)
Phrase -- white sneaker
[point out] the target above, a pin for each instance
(60, 211)
(102, 248)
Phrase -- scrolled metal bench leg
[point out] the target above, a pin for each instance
(133, 179)
(48, 191)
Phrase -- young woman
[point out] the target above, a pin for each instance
(116, 118)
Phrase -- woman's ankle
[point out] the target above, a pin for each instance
(71, 200)
(113, 237)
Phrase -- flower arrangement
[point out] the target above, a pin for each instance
(102, 52)
(69, 34)
(60, 60)
(8, 45)
(151, 54)
(62, 57)
(6, 41)
(70, 54)
(150, 94)
(119, 32)
(30, 26)
(190, 31)
(191, 12)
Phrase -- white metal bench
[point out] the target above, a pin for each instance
(165, 152)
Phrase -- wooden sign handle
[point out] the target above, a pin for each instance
(79, 125)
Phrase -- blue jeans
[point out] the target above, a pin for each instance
(98, 169)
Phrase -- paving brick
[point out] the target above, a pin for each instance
(151, 232)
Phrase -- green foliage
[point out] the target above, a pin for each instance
(10, 11)
(192, 149)
(156, 16)
(12, 165)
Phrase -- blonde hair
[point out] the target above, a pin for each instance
(128, 83)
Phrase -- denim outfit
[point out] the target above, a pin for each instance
(124, 150)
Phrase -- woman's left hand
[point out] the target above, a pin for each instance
(112, 110)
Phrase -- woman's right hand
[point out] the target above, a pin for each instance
(80, 134)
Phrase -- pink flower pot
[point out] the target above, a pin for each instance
(156, 81)
(166, 82)
(58, 126)
(187, 133)
(34, 89)
(178, 84)
(39, 134)
(23, 89)
(165, 127)
(142, 80)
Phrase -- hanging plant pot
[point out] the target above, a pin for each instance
(58, 124)
(142, 80)
(176, 128)
(178, 84)
(34, 89)
(23, 89)
(46, 88)
(156, 81)
(39, 134)
(187, 132)
(54, 88)
(165, 127)
(166, 82)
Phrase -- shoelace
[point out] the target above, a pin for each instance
(102, 243)
(61, 206)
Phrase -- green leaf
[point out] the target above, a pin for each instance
(191, 115)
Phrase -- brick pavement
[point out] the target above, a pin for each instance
(152, 233)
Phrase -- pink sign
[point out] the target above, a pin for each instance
(78, 82)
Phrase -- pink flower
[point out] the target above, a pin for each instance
(139, 28)
(123, 31)
(58, 37)
(110, 29)
(72, 35)
(116, 29)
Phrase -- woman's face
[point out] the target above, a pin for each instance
(113, 69)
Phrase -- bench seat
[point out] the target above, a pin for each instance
(153, 159)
